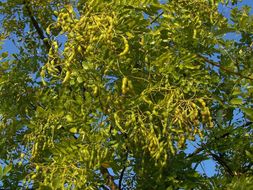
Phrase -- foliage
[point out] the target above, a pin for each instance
(109, 94)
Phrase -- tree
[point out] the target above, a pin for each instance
(109, 94)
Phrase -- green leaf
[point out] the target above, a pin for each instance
(236, 92)
(73, 130)
(79, 79)
(249, 155)
(1, 172)
(248, 112)
(69, 118)
(236, 101)
(7, 169)
(224, 31)
(4, 54)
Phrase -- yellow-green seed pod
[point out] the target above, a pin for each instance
(33, 176)
(67, 76)
(126, 49)
(95, 91)
(202, 102)
(124, 85)
(79, 49)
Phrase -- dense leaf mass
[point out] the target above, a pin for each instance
(115, 94)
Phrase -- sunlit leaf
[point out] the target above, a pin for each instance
(236, 101)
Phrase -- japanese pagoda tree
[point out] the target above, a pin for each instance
(111, 94)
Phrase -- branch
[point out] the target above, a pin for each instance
(155, 19)
(36, 25)
(39, 30)
(223, 68)
(124, 168)
(225, 135)
(222, 163)
(121, 177)
(198, 150)
(216, 157)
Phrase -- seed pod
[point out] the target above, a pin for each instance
(37, 168)
(124, 52)
(147, 101)
(193, 105)
(208, 112)
(130, 84)
(48, 30)
(33, 176)
(79, 49)
(202, 102)
(181, 142)
(124, 85)
(133, 119)
(43, 74)
(194, 34)
(95, 91)
(142, 41)
(67, 76)
(22, 155)
(196, 122)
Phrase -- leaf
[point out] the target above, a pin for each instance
(1, 172)
(48, 30)
(236, 101)
(224, 31)
(105, 164)
(249, 155)
(73, 130)
(7, 169)
(129, 35)
(219, 117)
(4, 54)
(248, 112)
(79, 79)
(69, 118)
(236, 92)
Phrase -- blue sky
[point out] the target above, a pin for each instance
(207, 167)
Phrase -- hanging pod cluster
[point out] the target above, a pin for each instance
(85, 34)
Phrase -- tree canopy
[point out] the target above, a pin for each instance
(111, 94)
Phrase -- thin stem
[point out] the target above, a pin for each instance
(222, 163)
(223, 68)
(155, 19)
(121, 177)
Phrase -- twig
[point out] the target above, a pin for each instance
(121, 177)
(223, 68)
(225, 135)
(222, 163)
(155, 19)
(216, 157)
(124, 168)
